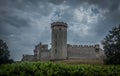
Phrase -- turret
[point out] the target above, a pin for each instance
(59, 40)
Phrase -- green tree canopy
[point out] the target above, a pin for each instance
(4, 52)
(111, 45)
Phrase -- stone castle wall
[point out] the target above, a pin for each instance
(59, 41)
(82, 51)
(45, 56)
(28, 58)
(61, 50)
(42, 52)
(74, 52)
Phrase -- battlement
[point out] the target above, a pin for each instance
(60, 50)
(28, 57)
(58, 24)
(42, 46)
(83, 46)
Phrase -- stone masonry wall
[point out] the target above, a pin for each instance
(45, 56)
(81, 52)
(59, 41)
(42, 52)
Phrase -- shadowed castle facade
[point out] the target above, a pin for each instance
(60, 50)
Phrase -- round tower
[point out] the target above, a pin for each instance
(59, 41)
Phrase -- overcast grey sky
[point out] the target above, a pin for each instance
(25, 23)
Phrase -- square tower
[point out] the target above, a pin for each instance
(59, 41)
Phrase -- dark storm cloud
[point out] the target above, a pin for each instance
(14, 21)
(56, 2)
(106, 4)
(8, 14)
(24, 23)
(17, 21)
(113, 7)
(111, 16)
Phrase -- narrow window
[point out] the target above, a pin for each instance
(60, 29)
(97, 50)
(55, 51)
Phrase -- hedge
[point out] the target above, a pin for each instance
(57, 69)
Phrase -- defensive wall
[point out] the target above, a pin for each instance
(61, 50)
(82, 51)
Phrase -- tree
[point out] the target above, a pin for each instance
(111, 45)
(4, 53)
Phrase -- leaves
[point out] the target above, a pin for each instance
(4, 53)
(111, 45)
(57, 69)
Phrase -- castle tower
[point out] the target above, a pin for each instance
(59, 41)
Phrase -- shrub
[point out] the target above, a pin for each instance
(57, 69)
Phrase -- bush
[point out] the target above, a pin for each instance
(57, 69)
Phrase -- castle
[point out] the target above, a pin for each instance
(60, 50)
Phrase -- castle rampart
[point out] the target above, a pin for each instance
(83, 46)
(82, 51)
(60, 50)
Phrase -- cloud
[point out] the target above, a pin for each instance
(56, 2)
(25, 23)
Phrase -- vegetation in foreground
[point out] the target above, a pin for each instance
(111, 45)
(4, 53)
(57, 69)
(85, 61)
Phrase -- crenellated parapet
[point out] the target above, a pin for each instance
(58, 24)
(83, 46)
(42, 46)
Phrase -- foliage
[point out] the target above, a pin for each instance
(4, 53)
(57, 69)
(111, 45)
